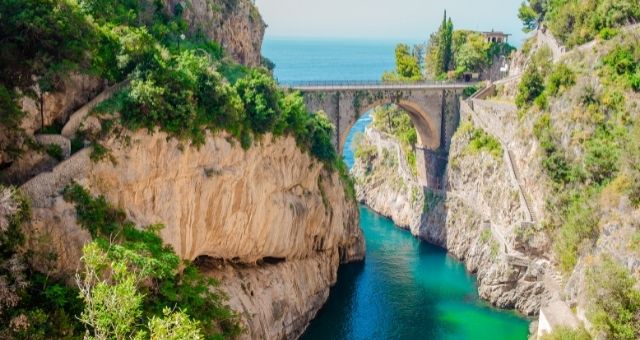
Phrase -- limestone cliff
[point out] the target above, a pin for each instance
(235, 24)
(272, 219)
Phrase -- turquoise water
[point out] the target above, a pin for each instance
(406, 288)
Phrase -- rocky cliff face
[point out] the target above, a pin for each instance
(485, 227)
(235, 24)
(274, 223)
(476, 219)
(383, 182)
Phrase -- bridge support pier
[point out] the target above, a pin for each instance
(431, 167)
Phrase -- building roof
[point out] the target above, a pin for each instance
(496, 33)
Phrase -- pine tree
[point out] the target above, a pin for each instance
(447, 49)
(440, 50)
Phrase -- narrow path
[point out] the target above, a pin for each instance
(509, 160)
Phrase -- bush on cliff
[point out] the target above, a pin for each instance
(614, 307)
(567, 333)
(530, 88)
(155, 277)
(32, 305)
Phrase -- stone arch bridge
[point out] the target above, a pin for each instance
(434, 109)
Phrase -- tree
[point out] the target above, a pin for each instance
(471, 51)
(113, 305)
(40, 39)
(528, 16)
(408, 64)
(532, 13)
(439, 49)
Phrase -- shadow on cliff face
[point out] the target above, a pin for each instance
(208, 263)
(342, 297)
(433, 220)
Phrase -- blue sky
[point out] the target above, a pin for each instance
(408, 20)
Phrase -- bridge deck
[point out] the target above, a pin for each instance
(375, 85)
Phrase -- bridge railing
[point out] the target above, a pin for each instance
(364, 83)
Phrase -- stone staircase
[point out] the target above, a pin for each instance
(525, 198)
(75, 121)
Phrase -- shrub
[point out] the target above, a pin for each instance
(601, 158)
(614, 300)
(608, 33)
(554, 162)
(261, 98)
(321, 130)
(470, 91)
(580, 224)
(531, 87)
(118, 243)
(576, 22)
(364, 150)
(566, 333)
(483, 142)
(623, 63)
(560, 79)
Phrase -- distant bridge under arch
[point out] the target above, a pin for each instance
(434, 108)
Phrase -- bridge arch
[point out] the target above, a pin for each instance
(434, 109)
(426, 127)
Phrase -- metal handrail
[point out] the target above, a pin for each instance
(344, 83)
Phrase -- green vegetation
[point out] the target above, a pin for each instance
(543, 80)
(470, 91)
(530, 88)
(473, 53)
(183, 87)
(408, 64)
(566, 333)
(561, 78)
(130, 278)
(575, 22)
(480, 141)
(486, 236)
(448, 55)
(363, 150)
(622, 65)
(396, 122)
(600, 165)
(32, 304)
(440, 49)
(614, 300)
(55, 151)
(451, 53)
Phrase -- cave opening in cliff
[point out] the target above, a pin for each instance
(270, 260)
(205, 262)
